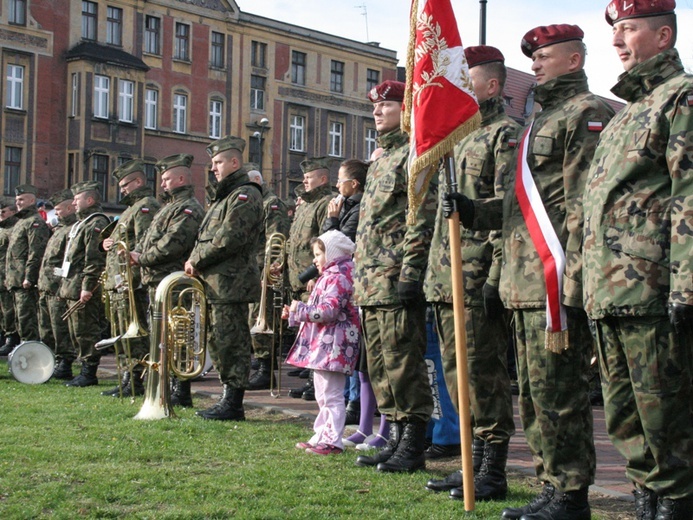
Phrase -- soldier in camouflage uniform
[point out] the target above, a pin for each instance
(24, 252)
(390, 263)
(224, 259)
(132, 225)
(170, 238)
(9, 338)
(53, 329)
(83, 265)
(276, 220)
(637, 261)
(485, 159)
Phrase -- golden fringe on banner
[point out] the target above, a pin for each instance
(556, 342)
(411, 62)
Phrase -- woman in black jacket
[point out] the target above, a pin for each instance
(343, 210)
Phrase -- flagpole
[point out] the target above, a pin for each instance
(460, 341)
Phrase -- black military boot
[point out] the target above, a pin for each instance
(568, 505)
(136, 383)
(86, 377)
(11, 341)
(645, 504)
(353, 412)
(490, 483)
(674, 509)
(409, 455)
(124, 383)
(539, 501)
(387, 451)
(263, 377)
(181, 395)
(63, 370)
(228, 408)
(454, 480)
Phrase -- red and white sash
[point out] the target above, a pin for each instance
(548, 246)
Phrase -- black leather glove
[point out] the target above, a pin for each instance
(681, 318)
(453, 202)
(408, 292)
(493, 306)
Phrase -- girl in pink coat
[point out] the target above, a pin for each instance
(328, 338)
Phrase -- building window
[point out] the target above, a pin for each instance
(151, 108)
(371, 141)
(13, 167)
(89, 21)
(100, 173)
(372, 79)
(102, 86)
(258, 54)
(180, 113)
(14, 97)
(216, 59)
(182, 48)
(336, 139)
(297, 131)
(114, 26)
(17, 14)
(215, 111)
(126, 100)
(257, 92)
(298, 68)
(74, 97)
(337, 76)
(152, 35)
(150, 175)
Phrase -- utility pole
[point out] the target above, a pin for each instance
(482, 22)
(365, 15)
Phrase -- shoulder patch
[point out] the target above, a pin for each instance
(35, 225)
(97, 230)
(187, 211)
(512, 143)
(687, 100)
(274, 207)
(595, 126)
(145, 210)
(243, 197)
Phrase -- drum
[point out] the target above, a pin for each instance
(31, 362)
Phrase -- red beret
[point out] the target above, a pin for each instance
(549, 35)
(482, 54)
(620, 10)
(387, 91)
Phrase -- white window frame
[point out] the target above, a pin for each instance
(180, 113)
(15, 87)
(336, 133)
(151, 109)
(126, 100)
(102, 95)
(74, 94)
(216, 108)
(257, 95)
(371, 142)
(297, 132)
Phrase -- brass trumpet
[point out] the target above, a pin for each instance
(79, 304)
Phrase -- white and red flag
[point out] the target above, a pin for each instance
(440, 107)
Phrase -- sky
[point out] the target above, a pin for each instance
(387, 22)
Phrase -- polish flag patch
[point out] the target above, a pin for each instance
(145, 210)
(243, 197)
(595, 126)
(187, 211)
(688, 101)
(512, 143)
(35, 225)
(274, 207)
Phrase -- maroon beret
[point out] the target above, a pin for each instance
(549, 35)
(481, 54)
(387, 91)
(620, 9)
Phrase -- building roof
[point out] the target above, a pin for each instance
(93, 51)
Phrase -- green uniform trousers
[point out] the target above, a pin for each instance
(54, 331)
(8, 323)
(26, 313)
(228, 340)
(85, 327)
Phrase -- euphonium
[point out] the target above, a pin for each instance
(275, 255)
(177, 341)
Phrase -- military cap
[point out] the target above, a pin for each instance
(6, 202)
(316, 163)
(83, 186)
(482, 54)
(251, 166)
(387, 91)
(549, 35)
(125, 169)
(165, 164)
(61, 196)
(226, 143)
(617, 10)
(25, 188)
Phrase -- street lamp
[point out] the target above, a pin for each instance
(259, 134)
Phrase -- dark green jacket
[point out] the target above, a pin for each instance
(25, 249)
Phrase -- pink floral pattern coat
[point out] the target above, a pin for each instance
(328, 336)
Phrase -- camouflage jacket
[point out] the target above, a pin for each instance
(639, 199)
(87, 259)
(308, 220)
(5, 232)
(226, 245)
(49, 281)
(387, 249)
(25, 249)
(167, 243)
(483, 159)
(135, 220)
(276, 220)
(560, 151)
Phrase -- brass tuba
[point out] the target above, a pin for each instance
(177, 341)
(275, 253)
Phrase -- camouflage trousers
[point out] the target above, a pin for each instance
(53, 330)
(262, 343)
(26, 313)
(120, 310)
(554, 404)
(648, 400)
(85, 328)
(489, 385)
(395, 340)
(8, 322)
(228, 341)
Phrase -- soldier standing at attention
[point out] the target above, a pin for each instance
(637, 260)
(170, 238)
(55, 331)
(390, 263)
(485, 159)
(224, 259)
(10, 338)
(132, 225)
(24, 252)
(83, 265)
